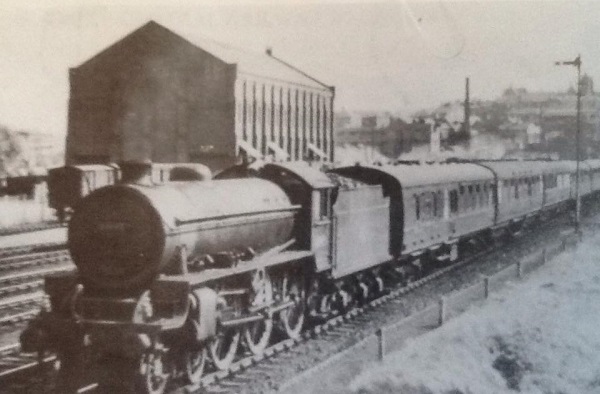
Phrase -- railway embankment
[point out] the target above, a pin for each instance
(375, 358)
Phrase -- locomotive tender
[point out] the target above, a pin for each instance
(170, 276)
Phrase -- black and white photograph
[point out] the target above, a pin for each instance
(288, 196)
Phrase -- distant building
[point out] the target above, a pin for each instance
(453, 115)
(534, 134)
(156, 96)
(555, 114)
(344, 120)
(389, 135)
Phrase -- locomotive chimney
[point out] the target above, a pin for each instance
(269, 51)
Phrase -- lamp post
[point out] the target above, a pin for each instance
(577, 63)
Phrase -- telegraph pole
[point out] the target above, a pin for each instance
(467, 126)
(577, 63)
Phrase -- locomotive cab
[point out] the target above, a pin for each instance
(316, 193)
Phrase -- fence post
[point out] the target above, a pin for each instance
(442, 311)
(519, 269)
(380, 344)
(486, 287)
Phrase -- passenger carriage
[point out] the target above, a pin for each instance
(585, 179)
(519, 190)
(594, 174)
(431, 205)
(557, 182)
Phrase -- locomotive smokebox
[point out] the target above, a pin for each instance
(121, 237)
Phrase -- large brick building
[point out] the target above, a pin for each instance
(156, 96)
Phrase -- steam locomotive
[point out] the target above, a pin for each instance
(173, 276)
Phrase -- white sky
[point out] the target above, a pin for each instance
(390, 55)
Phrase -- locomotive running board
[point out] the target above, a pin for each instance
(196, 279)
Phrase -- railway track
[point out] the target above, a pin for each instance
(22, 301)
(21, 281)
(25, 250)
(13, 361)
(29, 227)
(250, 369)
(21, 295)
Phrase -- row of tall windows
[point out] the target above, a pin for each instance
(524, 187)
(282, 118)
(552, 181)
(474, 196)
(429, 205)
(465, 198)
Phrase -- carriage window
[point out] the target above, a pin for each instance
(472, 197)
(486, 199)
(516, 190)
(530, 187)
(427, 212)
(439, 204)
(453, 201)
(417, 207)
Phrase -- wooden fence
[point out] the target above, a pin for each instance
(331, 375)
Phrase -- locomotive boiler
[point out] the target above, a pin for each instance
(123, 236)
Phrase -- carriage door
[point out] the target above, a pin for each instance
(322, 228)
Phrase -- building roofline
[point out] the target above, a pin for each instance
(330, 87)
(151, 24)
